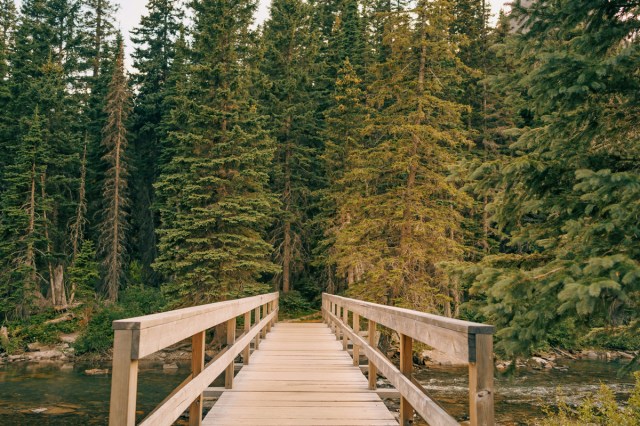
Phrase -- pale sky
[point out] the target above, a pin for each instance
(130, 12)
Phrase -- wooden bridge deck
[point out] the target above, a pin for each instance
(300, 375)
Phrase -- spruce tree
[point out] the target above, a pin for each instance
(115, 191)
(21, 236)
(153, 56)
(8, 21)
(570, 187)
(290, 103)
(405, 218)
(213, 194)
(344, 140)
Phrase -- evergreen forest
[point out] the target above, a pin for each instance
(415, 153)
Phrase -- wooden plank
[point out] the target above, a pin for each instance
(124, 381)
(173, 408)
(231, 339)
(481, 383)
(297, 422)
(345, 321)
(446, 334)
(356, 348)
(408, 314)
(222, 311)
(161, 335)
(363, 412)
(247, 351)
(197, 365)
(430, 411)
(294, 380)
(373, 371)
(406, 367)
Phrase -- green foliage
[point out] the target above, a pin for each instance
(135, 300)
(600, 409)
(567, 202)
(213, 196)
(36, 329)
(293, 305)
(84, 273)
(616, 338)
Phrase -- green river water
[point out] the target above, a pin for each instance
(74, 398)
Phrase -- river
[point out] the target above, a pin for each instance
(71, 397)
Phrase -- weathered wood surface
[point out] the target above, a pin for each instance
(279, 387)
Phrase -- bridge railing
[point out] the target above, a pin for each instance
(469, 342)
(136, 338)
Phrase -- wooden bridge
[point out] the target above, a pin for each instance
(299, 373)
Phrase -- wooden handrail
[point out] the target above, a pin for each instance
(135, 338)
(469, 342)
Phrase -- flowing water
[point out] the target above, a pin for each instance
(73, 398)
(522, 396)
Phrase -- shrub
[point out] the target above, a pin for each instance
(600, 409)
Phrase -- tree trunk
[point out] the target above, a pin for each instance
(58, 281)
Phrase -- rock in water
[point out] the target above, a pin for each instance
(96, 371)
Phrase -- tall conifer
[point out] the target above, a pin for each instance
(115, 191)
(214, 200)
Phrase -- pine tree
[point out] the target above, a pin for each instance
(213, 194)
(8, 21)
(569, 196)
(291, 105)
(405, 213)
(115, 192)
(21, 237)
(153, 56)
(345, 138)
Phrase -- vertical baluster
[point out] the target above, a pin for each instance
(197, 365)
(338, 315)
(345, 320)
(231, 338)
(247, 326)
(373, 371)
(256, 314)
(356, 347)
(406, 367)
(267, 307)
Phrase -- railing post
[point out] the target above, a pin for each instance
(356, 348)
(276, 307)
(273, 309)
(124, 381)
(247, 326)
(256, 314)
(197, 365)
(406, 367)
(263, 310)
(338, 315)
(481, 382)
(345, 320)
(373, 371)
(267, 312)
(231, 338)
